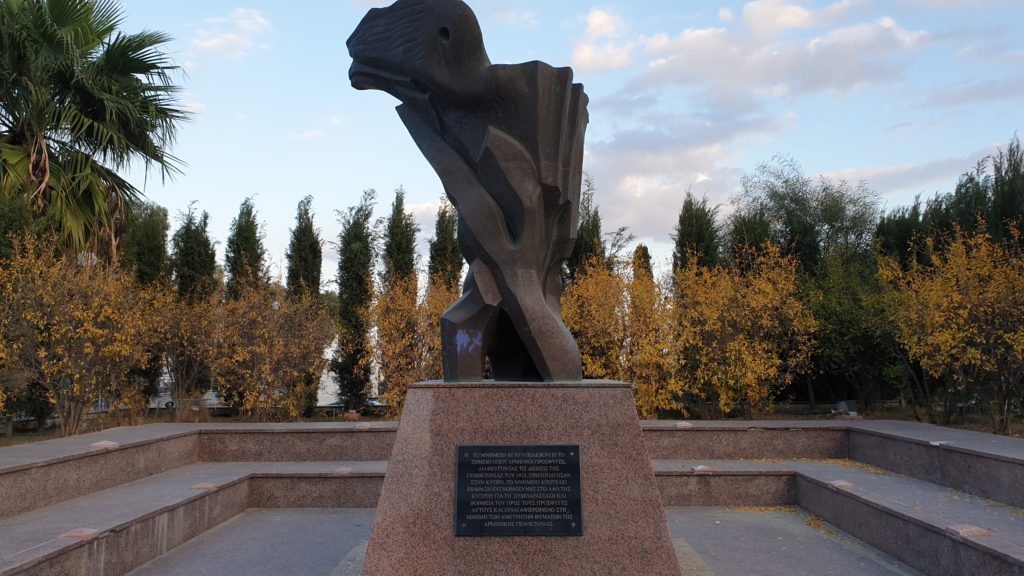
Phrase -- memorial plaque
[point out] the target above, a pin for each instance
(518, 491)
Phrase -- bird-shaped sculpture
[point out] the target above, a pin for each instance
(507, 144)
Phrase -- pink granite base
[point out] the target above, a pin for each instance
(624, 525)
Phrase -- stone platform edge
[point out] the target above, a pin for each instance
(23, 456)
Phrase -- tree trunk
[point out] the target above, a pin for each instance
(70, 418)
(1001, 414)
(913, 402)
(921, 384)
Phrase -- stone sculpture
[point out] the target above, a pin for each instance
(507, 143)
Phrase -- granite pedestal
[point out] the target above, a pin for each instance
(625, 531)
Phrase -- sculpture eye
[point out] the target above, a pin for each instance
(444, 33)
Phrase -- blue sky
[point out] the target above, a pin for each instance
(906, 94)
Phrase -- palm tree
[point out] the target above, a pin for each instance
(79, 102)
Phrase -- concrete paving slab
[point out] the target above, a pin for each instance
(58, 449)
(979, 443)
(36, 534)
(948, 438)
(298, 542)
(711, 541)
(778, 541)
(925, 502)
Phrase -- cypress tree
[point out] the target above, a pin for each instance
(305, 253)
(696, 233)
(305, 257)
(901, 234)
(144, 253)
(193, 259)
(355, 291)
(1007, 191)
(748, 229)
(588, 245)
(399, 255)
(445, 257)
(641, 263)
(144, 245)
(244, 252)
(194, 268)
(971, 201)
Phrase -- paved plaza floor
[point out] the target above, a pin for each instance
(297, 499)
(773, 541)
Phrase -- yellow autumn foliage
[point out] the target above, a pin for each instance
(593, 308)
(83, 327)
(743, 333)
(406, 345)
(650, 360)
(962, 318)
(261, 349)
(625, 331)
(396, 346)
(439, 297)
(184, 328)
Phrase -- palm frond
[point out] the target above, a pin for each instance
(89, 101)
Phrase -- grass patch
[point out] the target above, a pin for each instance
(28, 437)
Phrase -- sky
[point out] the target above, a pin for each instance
(684, 95)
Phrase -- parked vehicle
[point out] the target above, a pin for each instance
(163, 399)
(333, 409)
(373, 406)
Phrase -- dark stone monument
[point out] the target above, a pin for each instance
(537, 451)
(507, 143)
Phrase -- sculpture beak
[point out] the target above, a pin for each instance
(365, 77)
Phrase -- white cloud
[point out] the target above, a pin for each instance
(644, 188)
(725, 63)
(597, 51)
(249, 20)
(883, 34)
(233, 36)
(702, 92)
(936, 175)
(425, 216)
(643, 173)
(424, 213)
(592, 57)
(229, 44)
(986, 90)
(767, 18)
(602, 24)
(961, 3)
(726, 15)
(992, 53)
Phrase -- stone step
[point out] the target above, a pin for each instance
(982, 464)
(117, 498)
(40, 474)
(936, 529)
(110, 532)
